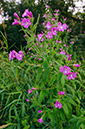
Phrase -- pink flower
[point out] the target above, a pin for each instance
(39, 111)
(71, 75)
(19, 55)
(60, 48)
(44, 23)
(37, 44)
(35, 58)
(58, 105)
(40, 120)
(49, 35)
(33, 88)
(29, 48)
(44, 15)
(15, 14)
(48, 25)
(39, 59)
(65, 19)
(64, 45)
(31, 53)
(69, 57)
(25, 35)
(61, 93)
(27, 13)
(41, 45)
(72, 42)
(77, 65)
(12, 55)
(62, 27)
(60, 41)
(63, 52)
(65, 26)
(56, 41)
(65, 70)
(30, 14)
(56, 10)
(16, 22)
(25, 22)
(50, 64)
(54, 31)
(27, 100)
(40, 36)
(47, 6)
(29, 91)
(69, 30)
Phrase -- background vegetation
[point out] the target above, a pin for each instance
(16, 39)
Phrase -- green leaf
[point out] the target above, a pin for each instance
(80, 121)
(72, 102)
(71, 89)
(52, 80)
(4, 39)
(39, 74)
(80, 77)
(41, 96)
(65, 108)
(17, 116)
(35, 25)
(63, 80)
(27, 69)
(24, 122)
(45, 65)
(27, 127)
(51, 100)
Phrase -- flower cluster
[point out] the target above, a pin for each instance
(58, 104)
(16, 55)
(25, 22)
(53, 29)
(66, 71)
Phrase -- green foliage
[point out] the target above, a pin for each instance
(43, 74)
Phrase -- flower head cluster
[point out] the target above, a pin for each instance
(72, 75)
(66, 71)
(61, 27)
(24, 21)
(63, 52)
(14, 54)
